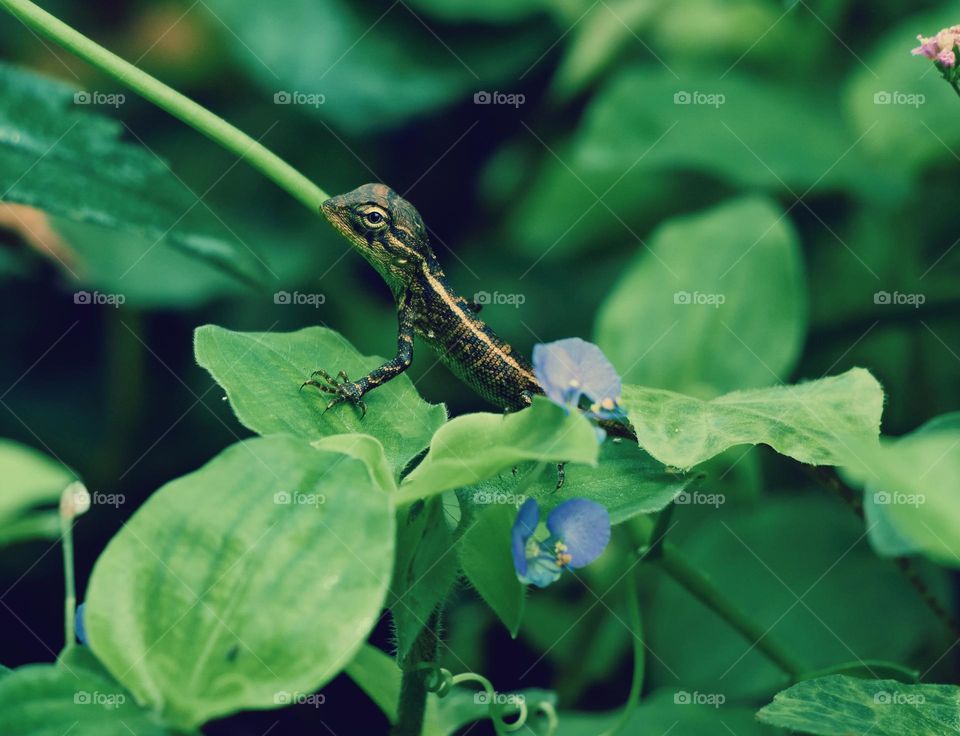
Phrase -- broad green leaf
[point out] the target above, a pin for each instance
(811, 422)
(48, 700)
(716, 303)
(370, 66)
(118, 262)
(899, 103)
(35, 525)
(646, 131)
(487, 561)
(747, 131)
(838, 706)
(424, 571)
(252, 579)
(365, 448)
(911, 493)
(57, 156)
(30, 478)
(262, 372)
(764, 557)
(661, 713)
(474, 447)
(625, 479)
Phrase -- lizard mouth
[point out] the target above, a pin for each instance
(335, 216)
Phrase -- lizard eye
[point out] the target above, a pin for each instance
(373, 218)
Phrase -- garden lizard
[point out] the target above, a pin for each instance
(390, 234)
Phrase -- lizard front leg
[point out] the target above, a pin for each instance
(345, 390)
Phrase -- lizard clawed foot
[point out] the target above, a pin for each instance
(343, 388)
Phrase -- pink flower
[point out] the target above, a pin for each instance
(928, 47)
(948, 59)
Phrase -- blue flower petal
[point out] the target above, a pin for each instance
(523, 528)
(571, 368)
(582, 525)
(79, 625)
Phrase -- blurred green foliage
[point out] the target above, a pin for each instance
(790, 157)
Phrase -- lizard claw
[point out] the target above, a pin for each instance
(343, 389)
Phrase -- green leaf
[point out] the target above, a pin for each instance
(370, 66)
(262, 373)
(115, 261)
(811, 422)
(911, 502)
(637, 148)
(48, 700)
(715, 303)
(747, 131)
(365, 448)
(30, 478)
(36, 525)
(625, 479)
(56, 156)
(254, 578)
(424, 571)
(838, 706)
(474, 447)
(487, 561)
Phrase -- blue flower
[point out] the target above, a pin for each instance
(78, 624)
(576, 374)
(579, 532)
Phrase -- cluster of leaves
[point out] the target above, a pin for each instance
(255, 580)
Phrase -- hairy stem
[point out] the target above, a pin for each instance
(167, 98)
(413, 686)
(675, 564)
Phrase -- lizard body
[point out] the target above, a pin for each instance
(390, 234)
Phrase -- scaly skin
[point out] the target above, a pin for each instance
(389, 232)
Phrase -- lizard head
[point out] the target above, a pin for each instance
(386, 229)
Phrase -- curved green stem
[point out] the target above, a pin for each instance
(703, 589)
(167, 98)
(636, 628)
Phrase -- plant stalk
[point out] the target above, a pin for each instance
(173, 102)
(675, 564)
